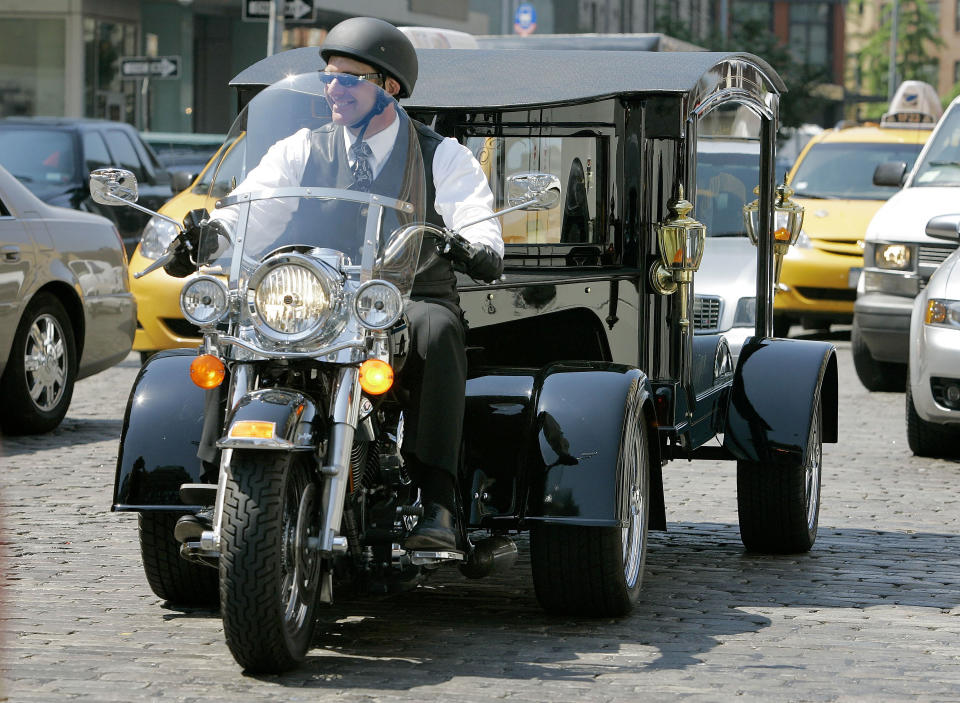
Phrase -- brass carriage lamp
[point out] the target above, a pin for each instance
(681, 239)
(787, 222)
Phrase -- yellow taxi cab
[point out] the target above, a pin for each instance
(833, 180)
(160, 323)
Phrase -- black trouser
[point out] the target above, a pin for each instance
(435, 376)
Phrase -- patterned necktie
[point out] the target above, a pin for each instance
(362, 173)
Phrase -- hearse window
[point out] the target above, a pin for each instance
(572, 159)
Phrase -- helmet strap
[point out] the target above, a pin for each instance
(378, 107)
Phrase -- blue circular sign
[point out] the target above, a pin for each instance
(526, 16)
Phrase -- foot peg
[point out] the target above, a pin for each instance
(423, 557)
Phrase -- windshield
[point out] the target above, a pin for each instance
(941, 162)
(324, 164)
(37, 156)
(846, 170)
(727, 173)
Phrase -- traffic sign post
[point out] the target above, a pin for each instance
(293, 10)
(135, 67)
(525, 19)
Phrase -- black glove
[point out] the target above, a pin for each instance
(195, 245)
(476, 260)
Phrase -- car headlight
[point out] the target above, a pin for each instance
(942, 313)
(291, 296)
(157, 234)
(378, 304)
(894, 257)
(203, 300)
(746, 313)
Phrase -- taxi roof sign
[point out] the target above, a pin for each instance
(915, 104)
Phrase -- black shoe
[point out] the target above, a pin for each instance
(435, 531)
(190, 527)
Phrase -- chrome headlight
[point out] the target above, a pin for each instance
(378, 304)
(291, 297)
(894, 257)
(157, 234)
(204, 300)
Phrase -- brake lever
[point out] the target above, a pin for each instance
(164, 259)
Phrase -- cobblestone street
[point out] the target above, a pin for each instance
(871, 613)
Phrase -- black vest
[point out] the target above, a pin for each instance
(328, 164)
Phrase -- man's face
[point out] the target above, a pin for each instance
(350, 105)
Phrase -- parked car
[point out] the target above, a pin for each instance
(53, 155)
(899, 257)
(833, 180)
(933, 381)
(725, 300)
(183, 152)
(161, 324)
(66, 311)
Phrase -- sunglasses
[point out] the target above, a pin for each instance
(348, 80)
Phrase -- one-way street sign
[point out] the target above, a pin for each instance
(150, 67)
(293, 10)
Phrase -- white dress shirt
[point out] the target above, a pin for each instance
(462, 191)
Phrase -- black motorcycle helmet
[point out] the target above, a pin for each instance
(378, 43)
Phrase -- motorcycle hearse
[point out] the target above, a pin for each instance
(585, 378)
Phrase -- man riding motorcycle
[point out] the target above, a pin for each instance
(361, 53)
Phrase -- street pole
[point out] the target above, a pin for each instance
(275, 28)
(892, 80)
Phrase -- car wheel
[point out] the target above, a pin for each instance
(927, 438)
(37, 384)
(779, 505)
(875, 375)
(598, 571)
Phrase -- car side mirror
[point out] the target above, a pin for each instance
(180, 181)
(890, 173)
(113, 186)
(944, 227)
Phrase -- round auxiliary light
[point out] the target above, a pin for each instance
(203, 300)
(378, 304)
(207, 371)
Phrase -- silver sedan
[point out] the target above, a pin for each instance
(66, 310)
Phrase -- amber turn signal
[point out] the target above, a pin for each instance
(252, 429)
(207, 371)
(376, 376)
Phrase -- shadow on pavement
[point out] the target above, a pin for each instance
(700, 589)
(71, 432)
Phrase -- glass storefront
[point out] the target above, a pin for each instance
(32, 62)
(106, 95)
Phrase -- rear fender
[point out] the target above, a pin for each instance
(292, 416)
(775, 386)
(557, 438)
(162, 427)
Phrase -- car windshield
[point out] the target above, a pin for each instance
(941, 162)
(845, 171)
(38, 156)
(290, 167)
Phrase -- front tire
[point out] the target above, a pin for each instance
(598, 571)
(779, 506)
(876, 376)
(37, 384)
(171, 577)
(927, 438)
(267, 589)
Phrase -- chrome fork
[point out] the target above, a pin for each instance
(345, 411)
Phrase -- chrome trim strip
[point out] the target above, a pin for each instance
(234, 341)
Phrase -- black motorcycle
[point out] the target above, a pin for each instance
(297, 479)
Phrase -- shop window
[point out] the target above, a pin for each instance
(106, 94)
(811, 29)
(32, 81)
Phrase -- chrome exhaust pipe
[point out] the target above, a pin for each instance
(497, 553)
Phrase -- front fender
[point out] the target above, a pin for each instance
(291, 415)
(161, 433)
(776, 384)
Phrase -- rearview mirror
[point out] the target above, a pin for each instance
(180, 181)
(533, 191)
(890, 173)
(113, 186)
(944, 227)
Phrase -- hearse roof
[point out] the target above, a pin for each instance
(504, 78)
